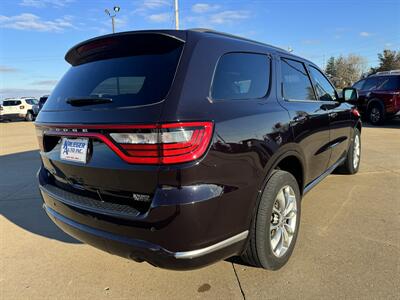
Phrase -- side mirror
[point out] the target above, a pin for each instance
(349, 94)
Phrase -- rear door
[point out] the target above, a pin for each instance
(309, 117)
(339, 114)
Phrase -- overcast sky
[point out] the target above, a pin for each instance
(35, 34)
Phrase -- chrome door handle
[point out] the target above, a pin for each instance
(333, 115)
(300, 118)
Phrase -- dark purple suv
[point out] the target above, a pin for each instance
(379, 96)
(182, 148)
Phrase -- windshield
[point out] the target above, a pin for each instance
(129, 81)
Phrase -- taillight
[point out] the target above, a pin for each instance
(170, 143)
(1, 107)
(355, 112)
(21, 107)
(165, 143)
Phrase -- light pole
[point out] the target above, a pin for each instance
(176, 9)
(116, 9)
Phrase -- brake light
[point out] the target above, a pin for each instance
(165, 143)
(170, 143)
(21, 107)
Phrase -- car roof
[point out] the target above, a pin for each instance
(197, 34)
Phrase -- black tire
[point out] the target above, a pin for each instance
(376, 114)
(29, 117)
(259, 251)
(348, 166)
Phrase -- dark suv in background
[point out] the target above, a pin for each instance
(379, 96)
(182, 148)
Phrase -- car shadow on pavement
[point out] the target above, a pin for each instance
(393, 123)
(20, 200)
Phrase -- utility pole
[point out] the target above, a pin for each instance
(116, 10)
(176, 15)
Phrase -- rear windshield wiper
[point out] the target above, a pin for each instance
(87, 101)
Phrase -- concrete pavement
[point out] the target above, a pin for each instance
(348, 246)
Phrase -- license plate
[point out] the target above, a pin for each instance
(74, 149)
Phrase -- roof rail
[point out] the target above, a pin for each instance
(388, 72)
(206, 30)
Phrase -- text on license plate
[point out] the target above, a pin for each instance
(74, 149)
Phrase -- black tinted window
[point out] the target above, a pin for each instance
(371, 83)
(324, 89)
(31, 101)
(128, 81)
(11, 102)
(42, 100)
(389, 83)
(241, 76)
(296, 84)
(358, 85)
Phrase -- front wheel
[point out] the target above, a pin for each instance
(376, 115)
(276, 222)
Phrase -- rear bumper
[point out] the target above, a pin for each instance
(173, 236)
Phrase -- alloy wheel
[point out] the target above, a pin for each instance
(283, 221)
(356, 151)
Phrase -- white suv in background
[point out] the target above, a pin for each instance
(21, 108)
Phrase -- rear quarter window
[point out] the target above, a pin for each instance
(240, 76)
(390, 83)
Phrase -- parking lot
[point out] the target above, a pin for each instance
(348, 246)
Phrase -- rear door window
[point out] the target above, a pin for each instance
(296, 84)
(241, 76)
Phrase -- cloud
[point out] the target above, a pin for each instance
(45, 82)
(6, 69)
(160, 18)
(228, 16)
(204, 7)
(153, 4)
(365, 34)
(45, 3)
(27, 21)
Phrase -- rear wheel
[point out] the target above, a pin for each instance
(29, 116)
(276, 223)
(376, 115)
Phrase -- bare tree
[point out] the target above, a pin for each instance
(346, 69)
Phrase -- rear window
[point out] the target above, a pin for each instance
(134, 80)
(241, 76)
(11, 102)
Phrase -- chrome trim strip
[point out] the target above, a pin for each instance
(203, 251)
